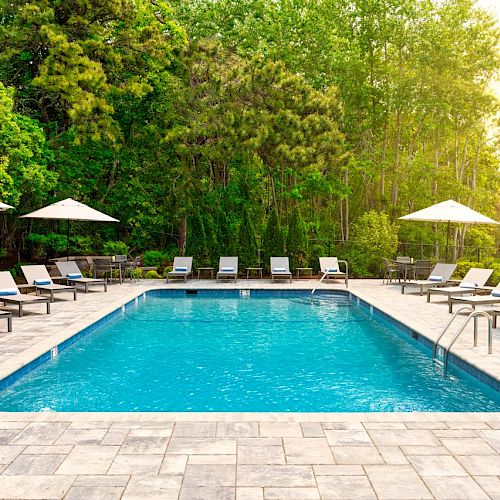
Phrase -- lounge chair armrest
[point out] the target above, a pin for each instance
(345, 264)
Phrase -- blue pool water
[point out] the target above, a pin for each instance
(223, 352)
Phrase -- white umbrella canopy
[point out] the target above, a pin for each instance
(4, 207)
(449, 211)
(69, 209)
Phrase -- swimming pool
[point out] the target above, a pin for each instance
(232, 351)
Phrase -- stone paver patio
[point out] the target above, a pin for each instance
(245, 455)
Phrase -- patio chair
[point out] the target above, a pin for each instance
(102, 268)
(439, 276)
(71, 271)
(474, 280)
(390, 269)
(477, 300)
(228, 268)
(422, 269)
(329, 266)
(9, 294)
(39, 277)
(181, 269)
(280, 269)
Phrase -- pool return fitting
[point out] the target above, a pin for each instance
(473, 315)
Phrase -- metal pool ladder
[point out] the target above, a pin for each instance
(473, 315)
(326, 274)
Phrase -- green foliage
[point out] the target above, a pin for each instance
(248, 250)
(273, 241)
(296, 240)
(152, 275)
(43, 246)
(82, 245)
(154, 258)
(376, 237)
(115, 248)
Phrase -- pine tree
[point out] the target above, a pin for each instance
(296, 239)
(248, 250)
(273, 241)
(196, 243)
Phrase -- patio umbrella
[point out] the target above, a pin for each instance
(69, 210)
(449, 211)
(4, 207)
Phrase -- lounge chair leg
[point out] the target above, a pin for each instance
(106, 286)
(9, 324)
(74, 294)
(428, 296)
(450, 305)
(20, 310)
(48, 307)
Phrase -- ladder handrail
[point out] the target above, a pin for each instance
(473, 315)
(325, 274)
(445, 329)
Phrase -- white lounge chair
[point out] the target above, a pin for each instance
(39, 277)
(330, 267)
(477, 300)
(228, 268)
(9, 294)
(182, 268)
(70, 270)
(439, 276)
(474, 280)
(280, 269)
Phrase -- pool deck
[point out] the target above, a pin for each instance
(245, 455)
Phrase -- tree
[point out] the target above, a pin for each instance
(248, 250)
(296, 239)
(273, 240)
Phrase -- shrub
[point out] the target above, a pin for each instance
(464, 265)
(152, 275)
(115, 248)
(81, 245)
(375, 238)
(154, 258)
(41, 246)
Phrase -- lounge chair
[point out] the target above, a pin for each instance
(474, 280)
(8, 316)
(330, 267)
(9, 294)
(228, 268)
(280, 269)
(477, 300)
(70, 270)
(39, 277)
(439, 276)
(181, 269)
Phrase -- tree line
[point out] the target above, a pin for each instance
(239, 126)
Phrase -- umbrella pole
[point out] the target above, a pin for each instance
(67, 241)
(447, 240)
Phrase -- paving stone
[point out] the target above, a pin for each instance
(194, 429)
(453, 488)
(275, 476)
(81, 436)
(280, 429)
(249, 493)
(237, 429)
(307, 451)
(255, 455)
(490, 484)
(346, 437)
(345, 487)
(35, 487)
(426, 424)
(384, 425)
(88, 459)
(100, 480)
(153, 488)
(144, 445)
(481, 465)
(454, 433)
(209, 475)
(436, 465)
(164, 432)
(312, 429)
(211, 459)
(425, 450)
(9, 453)
(343, 426)
(338, 470)
(88, 424)
(207, 493)
(95, 493)
(260, 441)
(468, 446)
(492, 437)
(37, 449)
(201, 446)
(291, 494)
(40, 433)
(116, 437)
(392, 455)
(396, 437)
(396, 482)
(34, 465)
(174, 464)
(353, 455)
(136, 464)
(14, 424)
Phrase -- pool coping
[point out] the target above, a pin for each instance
(53, 346)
